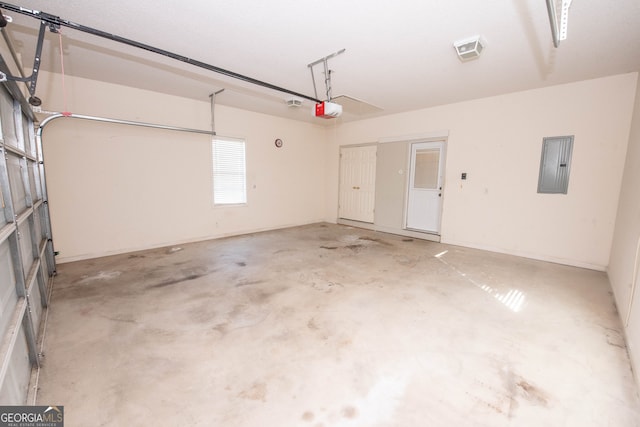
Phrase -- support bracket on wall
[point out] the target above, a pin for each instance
(213, 110)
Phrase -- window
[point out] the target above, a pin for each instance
(229, 172)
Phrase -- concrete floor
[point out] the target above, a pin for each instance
(327, 325)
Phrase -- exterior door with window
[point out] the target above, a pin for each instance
(424, 202)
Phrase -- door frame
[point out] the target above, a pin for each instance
(443, 163)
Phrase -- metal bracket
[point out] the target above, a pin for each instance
(32, 80)
(558, 31)
(213, 110)
(327, 73)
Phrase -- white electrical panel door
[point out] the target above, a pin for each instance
(555, 165)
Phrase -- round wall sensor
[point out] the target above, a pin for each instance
(278, 143)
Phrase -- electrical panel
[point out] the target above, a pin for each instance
(555, 165)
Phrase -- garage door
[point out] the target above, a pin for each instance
(27, 262)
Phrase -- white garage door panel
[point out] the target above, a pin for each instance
(24, 231)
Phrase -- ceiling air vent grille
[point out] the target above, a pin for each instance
(470, 48)
(294, 103)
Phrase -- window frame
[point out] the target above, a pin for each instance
(216, 176)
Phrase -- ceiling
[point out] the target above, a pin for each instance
(399, 55)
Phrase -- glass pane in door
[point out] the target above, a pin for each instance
(426, 168)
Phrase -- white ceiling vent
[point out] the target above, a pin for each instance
(293, 102)
(470, 48)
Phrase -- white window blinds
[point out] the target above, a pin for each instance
(229, 171)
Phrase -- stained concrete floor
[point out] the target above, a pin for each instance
(326, 326)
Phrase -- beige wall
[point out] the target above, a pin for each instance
(130, 188)
(498, 142)
(116, 188)
(624, 252)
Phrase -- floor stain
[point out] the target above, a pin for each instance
(223, 328)
(375, 240)
(262, 296)
(202, 314)
(344, 343)
(258, 391)
(326, 287)
(406, 261)
(248, 283)
(615, 338)
(78, 292)
(407, 240)
(176, 281)
(308, 416)
(179, 263)
(242, 317)
(355, 247)
(329, 247)
(238, 309)
(532, 393)
(101, 276)
(492, 397)
(279, 251)
(495, 408)
(514, 391)
(241, 264)
(349, 412)
(311, 324)
(159, 335)
(118, 319)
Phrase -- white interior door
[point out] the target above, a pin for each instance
(357, 183)
(424, 204)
